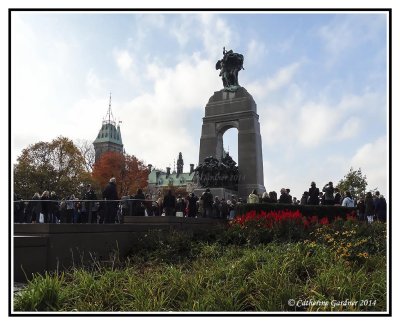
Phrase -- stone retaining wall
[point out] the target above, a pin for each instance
(48, 247)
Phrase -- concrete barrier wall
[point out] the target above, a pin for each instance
(48, 247)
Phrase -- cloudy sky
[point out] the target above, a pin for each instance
(319, 81)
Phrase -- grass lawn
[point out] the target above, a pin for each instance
(332, 268)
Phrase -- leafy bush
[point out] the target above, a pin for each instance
(351, 240)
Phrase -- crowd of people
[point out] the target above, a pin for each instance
(49, 208)
(369, 207)
(192, 206)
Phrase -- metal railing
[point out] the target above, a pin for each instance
(94, 211)
(80, 211)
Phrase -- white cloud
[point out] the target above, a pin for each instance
(157, 124)
(283, 77)
(372, 158)
(128, 66)
(255, 52)
(316, 124)
(162, 102)
(93, 83)
(312, 121)
(124, 61)
(183, 29)
(34, 84)
(215, 33)
(351, 127)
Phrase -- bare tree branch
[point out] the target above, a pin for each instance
(87, 150)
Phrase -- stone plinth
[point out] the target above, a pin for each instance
(219, 191)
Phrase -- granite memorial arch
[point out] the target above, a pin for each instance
(234, 107)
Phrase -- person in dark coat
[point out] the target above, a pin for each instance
(321, 198)
(304, 198)
(111, 208)
(91, 207)
(169, 204)
(148, 206)
(34, 208)
(329, 194)
(375, 197)
(369, 207)
(54, 208)
(337, 197)
(285, 198)
(138, 203)
(45, 206)
(273, 197)
(192, 205)
(18, 209)
(265, 198)
(180, 204)
(208, 202)
(361, 209)
(380, 207)
(224, 209)
(290, 197)
(216, 208)
(313, 194)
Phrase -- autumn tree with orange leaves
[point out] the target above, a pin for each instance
(130, 173)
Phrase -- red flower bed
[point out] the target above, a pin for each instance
(270, 219)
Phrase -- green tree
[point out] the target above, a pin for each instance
(55, 166)
(354, 181)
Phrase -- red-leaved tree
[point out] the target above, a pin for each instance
(130, 173)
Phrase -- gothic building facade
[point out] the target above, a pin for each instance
(159, 179)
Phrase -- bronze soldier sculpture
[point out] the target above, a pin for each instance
(230, 65)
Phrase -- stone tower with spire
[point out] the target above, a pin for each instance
(109, 137)
(179, 164)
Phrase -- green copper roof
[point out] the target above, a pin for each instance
(172, 180)
(109, 133)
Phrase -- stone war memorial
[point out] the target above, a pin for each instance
(45, 247)
(230, 107)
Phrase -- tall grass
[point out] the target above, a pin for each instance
(213, 277)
